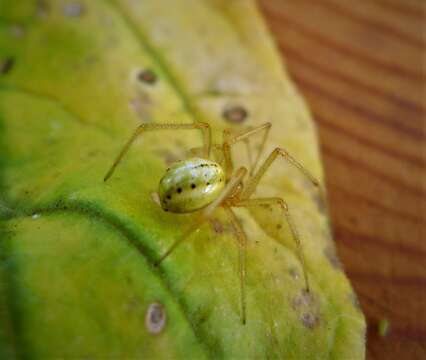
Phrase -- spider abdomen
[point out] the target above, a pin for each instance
(190, 185)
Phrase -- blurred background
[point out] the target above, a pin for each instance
(361, 66)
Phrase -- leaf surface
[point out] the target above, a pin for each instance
(77, 254)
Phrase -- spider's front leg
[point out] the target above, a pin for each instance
(205, 128)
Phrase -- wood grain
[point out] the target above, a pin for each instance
(361, 65)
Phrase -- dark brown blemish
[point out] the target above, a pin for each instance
(279, 226)
(235, 114)
(6, 65)
(307, 305)
(155, 318)
(193, 186)
(147, 76)
(310, 320)
(207, 183)
(169, 197)
(179, 190)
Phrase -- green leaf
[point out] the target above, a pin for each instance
(76, 254)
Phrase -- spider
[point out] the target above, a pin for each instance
(202, 184)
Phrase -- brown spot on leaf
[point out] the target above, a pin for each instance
(307, 306)
(155, 318)
(147, 76)
(235, 114)
(310, 320)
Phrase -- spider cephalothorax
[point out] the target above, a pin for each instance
(201, 184)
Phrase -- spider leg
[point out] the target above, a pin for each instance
(242, 242)
(205, 128)
(249, 154)
(184, 236)
(254, 181)
(229, 140)
(284, 207)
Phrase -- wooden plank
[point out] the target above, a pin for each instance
(361, 67)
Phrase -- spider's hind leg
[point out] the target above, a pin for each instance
(260, 202)
(242, 242)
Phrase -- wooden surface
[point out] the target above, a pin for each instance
(361, 67)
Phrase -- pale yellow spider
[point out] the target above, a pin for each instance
(199, 183)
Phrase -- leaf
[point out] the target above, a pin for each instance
(77, 254)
